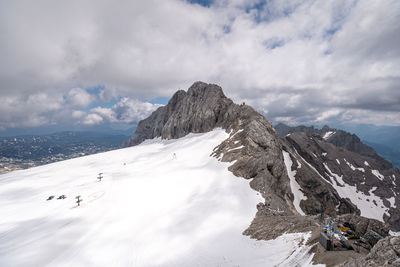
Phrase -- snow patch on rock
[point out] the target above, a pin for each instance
(394, 233)
(296, 189)
(368, 208)
(392, 201)
(378, 174)
(327, 135)
(352, 166)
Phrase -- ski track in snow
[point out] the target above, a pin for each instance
(152, 208)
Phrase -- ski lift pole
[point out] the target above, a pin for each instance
(78, 200)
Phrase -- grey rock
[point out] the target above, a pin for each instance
(372, 237)
(202, 108)
(384, 253)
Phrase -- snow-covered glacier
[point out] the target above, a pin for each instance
(161, 203)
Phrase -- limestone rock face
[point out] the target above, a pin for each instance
(202, 108)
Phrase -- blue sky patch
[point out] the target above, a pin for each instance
(205, 3)
(273, 43)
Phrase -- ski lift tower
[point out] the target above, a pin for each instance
(100, 176)
(78, 200)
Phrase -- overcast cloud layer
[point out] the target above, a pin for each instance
(94, 62)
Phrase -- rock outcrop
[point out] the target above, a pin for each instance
(385, 253)
(201, 109)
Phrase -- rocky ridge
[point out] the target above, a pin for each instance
(336, 171)
(339, 138)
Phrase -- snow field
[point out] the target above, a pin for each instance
(150, 209)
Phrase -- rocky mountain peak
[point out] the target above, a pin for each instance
(202, 108)
(252, 144)
(326, 128)
(202, 90)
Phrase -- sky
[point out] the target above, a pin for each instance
(111, 63)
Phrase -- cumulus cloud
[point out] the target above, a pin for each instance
(92, 119)
(296, 61)
(125, 111)
(79, 98)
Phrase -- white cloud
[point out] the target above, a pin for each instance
(296, 60)
(93, 119)
(125, 111)
(79, 98)
(78, 114)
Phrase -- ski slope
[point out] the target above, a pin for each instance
(152, 208)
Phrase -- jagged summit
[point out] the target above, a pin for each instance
(202, 108)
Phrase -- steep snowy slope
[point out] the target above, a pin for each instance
(161, 203)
